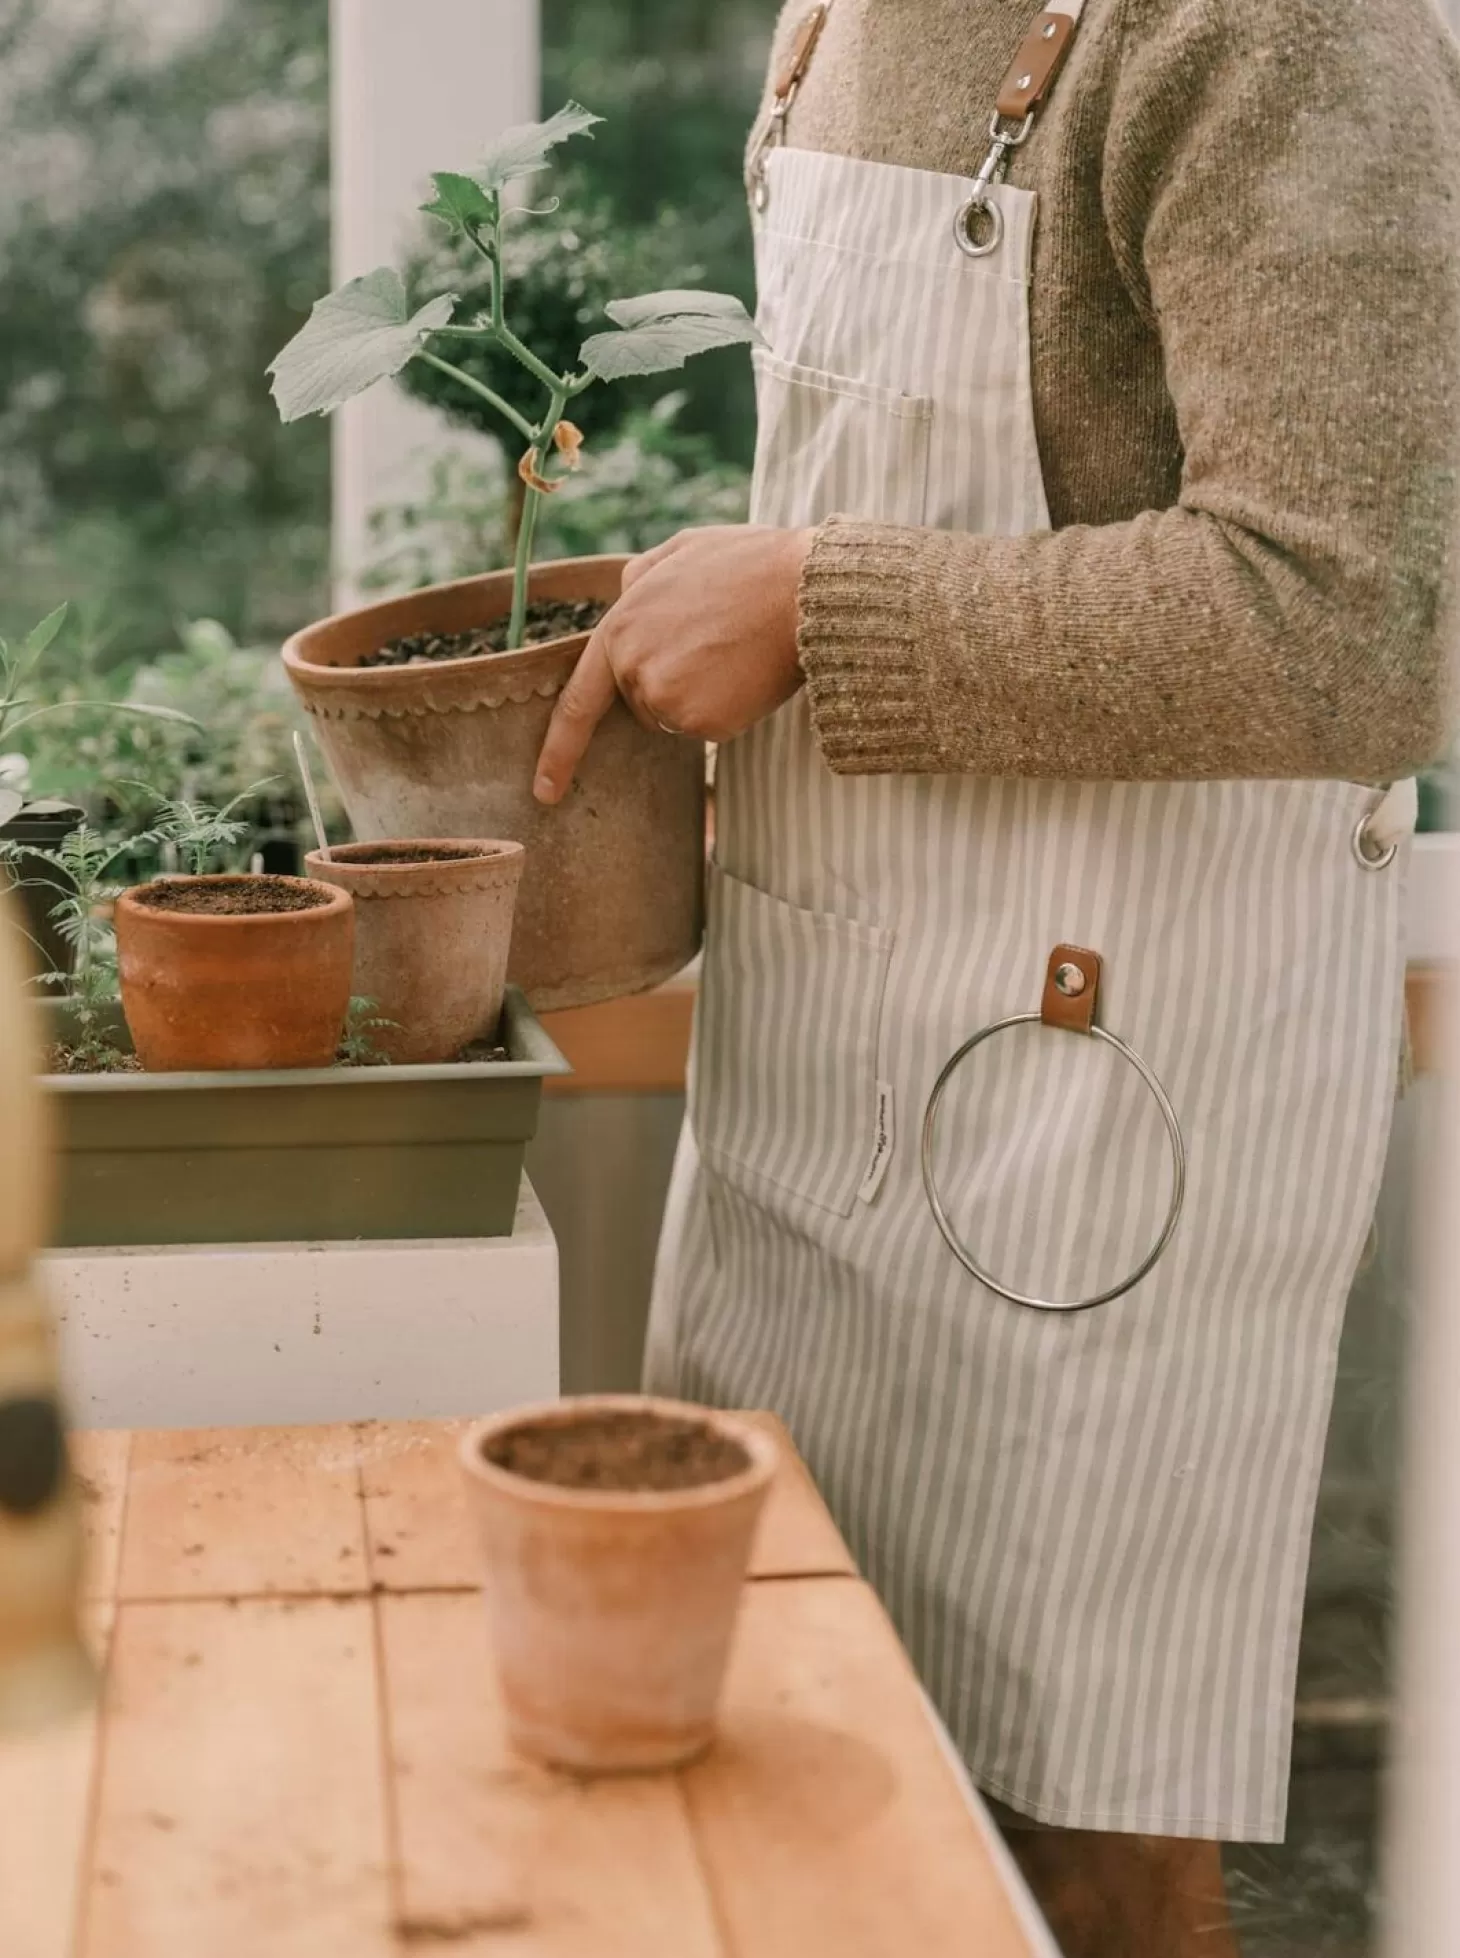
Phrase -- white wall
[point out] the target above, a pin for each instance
(416, 86)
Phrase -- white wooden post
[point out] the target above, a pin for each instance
(415, 85)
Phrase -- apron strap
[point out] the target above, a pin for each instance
(1041, 55)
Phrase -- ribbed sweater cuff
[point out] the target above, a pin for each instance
(857, 640)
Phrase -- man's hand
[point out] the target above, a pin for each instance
(702, 642)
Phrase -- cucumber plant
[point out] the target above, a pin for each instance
(366, 331)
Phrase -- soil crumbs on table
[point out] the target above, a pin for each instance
(626, 1450)
(231, 897)
(548, 618)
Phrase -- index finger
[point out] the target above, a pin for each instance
(582, 704)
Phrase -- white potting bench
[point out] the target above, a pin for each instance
(227, 1335)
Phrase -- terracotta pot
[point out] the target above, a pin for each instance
(612, 1612)
(612, 897)
(431, 938)
(268, 989)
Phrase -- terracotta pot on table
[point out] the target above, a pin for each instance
(612, 1611)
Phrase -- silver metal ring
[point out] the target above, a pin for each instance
(963, 227)
(945, 1224)
(665, 728)
(1361, 840)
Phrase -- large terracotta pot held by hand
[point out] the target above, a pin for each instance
(612, 892)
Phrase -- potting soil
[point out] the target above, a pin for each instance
(625, 1450)
(232, 897)
(547, 618)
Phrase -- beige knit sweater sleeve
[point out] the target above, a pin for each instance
(1294, 236)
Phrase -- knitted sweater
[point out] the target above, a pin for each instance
(1246, 372)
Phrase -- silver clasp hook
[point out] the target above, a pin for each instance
(979, 207)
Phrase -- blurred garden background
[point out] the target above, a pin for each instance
(164, 228)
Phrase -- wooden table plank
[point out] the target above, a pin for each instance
(416, 1519)
(45, 1809)
(240, 1807)
(99, 1459)
(797, 1537)
(420, 1533)
(498, 1855)
(242, 1512)
(828, 1819)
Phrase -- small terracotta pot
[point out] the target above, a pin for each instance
(612, 1612)
(431, 938)
(268, 989)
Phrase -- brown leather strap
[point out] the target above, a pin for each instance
(798, 60)
(1071, 989)
(1035, 66)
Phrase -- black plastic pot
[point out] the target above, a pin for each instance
(45, 825)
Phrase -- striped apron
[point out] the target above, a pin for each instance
(1091, 1528)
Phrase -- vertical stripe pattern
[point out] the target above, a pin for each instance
(1091, 1529)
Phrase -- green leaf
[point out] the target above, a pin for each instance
(651, 307)
(40, 636)
(662, 330)
(520, 151)
(460, 203)
(355, 337)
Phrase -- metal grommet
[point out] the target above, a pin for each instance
(1368, 859)
(979, 208)
(950, 1236)
(1070, 980)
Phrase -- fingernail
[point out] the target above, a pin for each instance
(545, 789)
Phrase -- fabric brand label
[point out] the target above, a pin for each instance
(881, 1147)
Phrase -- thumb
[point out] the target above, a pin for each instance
(582, 704)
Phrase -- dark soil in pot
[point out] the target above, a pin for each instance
(414, 853)
(230, 897)
(618, 1450)
(548, 618)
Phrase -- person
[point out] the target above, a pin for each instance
(1092, 618)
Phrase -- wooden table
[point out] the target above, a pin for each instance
(299, 1751)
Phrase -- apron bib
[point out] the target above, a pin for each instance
(1091, 1528)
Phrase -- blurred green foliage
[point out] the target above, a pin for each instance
(637, 486)
(163, 228)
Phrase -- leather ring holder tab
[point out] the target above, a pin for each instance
(1071, 989)
(798, 60)
(1034, 67)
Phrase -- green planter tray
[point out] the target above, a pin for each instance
(308, 1154)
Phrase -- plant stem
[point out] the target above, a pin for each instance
(489, 395)
(522, 563)
(525, 357)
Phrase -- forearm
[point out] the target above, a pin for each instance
(1176, 646)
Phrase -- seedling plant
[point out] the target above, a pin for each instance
(365, 331)
(82, 870)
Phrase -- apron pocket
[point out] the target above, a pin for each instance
(785, 1080)
(828, 445)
